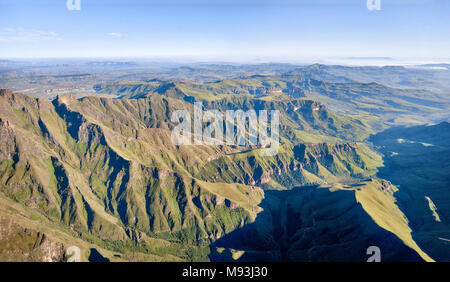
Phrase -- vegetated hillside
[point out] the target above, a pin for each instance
(417, 159)
(300, 165)
(67, 169)
(327, 223)
(375, 103)
(103, 174)
(215, 72)
(302, 119)
(391, 105)
(25, 245)
(47, 78)
(433, 77)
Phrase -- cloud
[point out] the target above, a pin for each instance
(27, 35)
(115, 34)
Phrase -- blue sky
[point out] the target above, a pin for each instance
(220, 29)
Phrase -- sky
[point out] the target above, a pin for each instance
(225, 29)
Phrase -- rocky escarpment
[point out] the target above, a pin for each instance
(21, 244)
(303, 164)
(68, 162)
(105, 172)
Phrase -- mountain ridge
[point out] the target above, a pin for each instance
(105, 172)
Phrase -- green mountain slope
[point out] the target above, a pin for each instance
(417, 160)
(62, 166)
(322, 224)
(363, 99)
(103, 174)
(300, 165)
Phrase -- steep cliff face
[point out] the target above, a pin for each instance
(69, 161)
(300, 165)
(417, 159)
(326, 223)
(299, 117)
(104, 174)
(19, 244)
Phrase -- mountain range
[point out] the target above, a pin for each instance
(356, 168)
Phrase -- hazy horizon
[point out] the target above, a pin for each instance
(374, 61)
